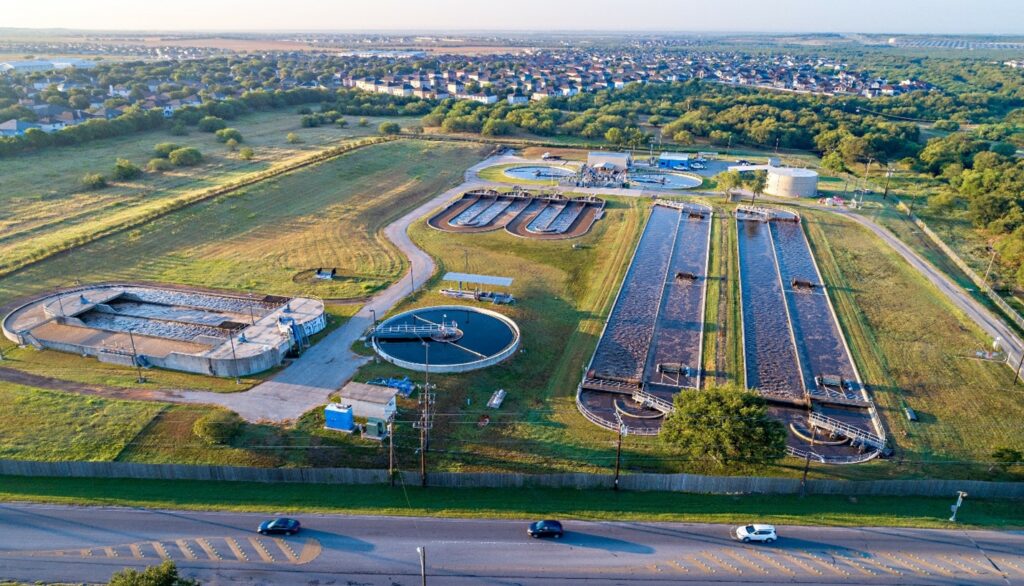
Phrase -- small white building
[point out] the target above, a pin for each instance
(370, 400)
(609, 160)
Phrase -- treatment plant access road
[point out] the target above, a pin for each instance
(88, 544)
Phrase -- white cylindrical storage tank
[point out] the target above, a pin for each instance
(792, 182)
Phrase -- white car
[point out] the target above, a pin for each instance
(748, 533)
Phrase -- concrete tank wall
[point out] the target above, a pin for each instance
(791, 184)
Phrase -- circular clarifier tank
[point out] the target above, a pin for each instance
(539, 172)
(450, 338)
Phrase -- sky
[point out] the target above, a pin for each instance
(869, 16)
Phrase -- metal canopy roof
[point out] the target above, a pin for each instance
(479, 279)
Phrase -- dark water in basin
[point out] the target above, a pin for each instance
(771, 362)
(482, 333)
(818, 338)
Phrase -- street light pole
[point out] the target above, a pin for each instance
(618, 455)
(423, 564)
(959, 501)
(391, 453)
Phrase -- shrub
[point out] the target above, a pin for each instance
(94, 181)
(341, 122)
(186, 157)
(389, 128)
(364, 122)
(246, 154)
(232, 144)
(164, 149)
(218, 427)
(157, 165)
(226, 134)
(293, 138)
(179, 129)
(125, 170)
(211, 124)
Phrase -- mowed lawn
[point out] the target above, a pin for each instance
(266, 238)
(49, 425)
(44, 207)
(914, 348)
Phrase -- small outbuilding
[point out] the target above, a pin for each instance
(673, 160)
(370, 400)
(609, 160)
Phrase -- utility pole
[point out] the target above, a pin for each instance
(1016, 373)
(423, 564)
(807, 461)
(988, 271)
(618, 453)
(888, 176)
(391, 452)
(252, 318)
(412, 279)
(135, 358)
(425, 423)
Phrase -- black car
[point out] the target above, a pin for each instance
(546, 529)
(282, 525)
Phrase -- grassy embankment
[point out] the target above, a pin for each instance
(44, 209)
(517, 503)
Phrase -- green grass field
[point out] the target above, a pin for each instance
(268, 237)
(914, 348)
(514, 503)
(44, 208)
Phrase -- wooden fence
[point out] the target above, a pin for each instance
(692, 483)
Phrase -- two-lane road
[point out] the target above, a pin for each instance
(77, 544)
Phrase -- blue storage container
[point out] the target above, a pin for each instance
(338, 417)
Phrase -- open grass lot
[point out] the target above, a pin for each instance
(913, 348)
(515, 503)
(44, 207)
(267, 238)
(47, 425)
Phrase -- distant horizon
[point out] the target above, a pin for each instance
(882, 17)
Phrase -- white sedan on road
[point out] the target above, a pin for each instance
(748, 533)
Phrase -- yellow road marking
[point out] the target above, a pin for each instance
(236, 549)
(818, 560)
(208, 548)
(161, 550)
(711, 556)
(110, 552)
(87, 553)
(261, 549)
(186, 549)
(934, 567)
(679, 566)
(799, 562)
(749, 563)
(310, 551)
(905, 563)
(871, 560)
(697, 561)
(136, 552)
(975, 571)
(768, 560)
(287, 550)
(853, 563)
(1004, 562)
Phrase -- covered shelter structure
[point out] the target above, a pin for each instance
(468, 286)
(370, 400)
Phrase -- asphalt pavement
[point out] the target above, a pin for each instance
(87, 544)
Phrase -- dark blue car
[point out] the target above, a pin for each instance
(283, 525)
(545, 529)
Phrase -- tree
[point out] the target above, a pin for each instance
(94, 181)
(232, 144)
(1005, 457)
(757, 184)
(389, 128)
(614, 136)
(166, 574)
(211, 124)
(186, 157)
(726, 424)
(246, 154)
(727, 181)
(682, 137)
(125, 170)
(226, 134)
(833, 162)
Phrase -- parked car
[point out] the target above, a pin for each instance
(545, 529)
(281, 525)
(748, 533)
